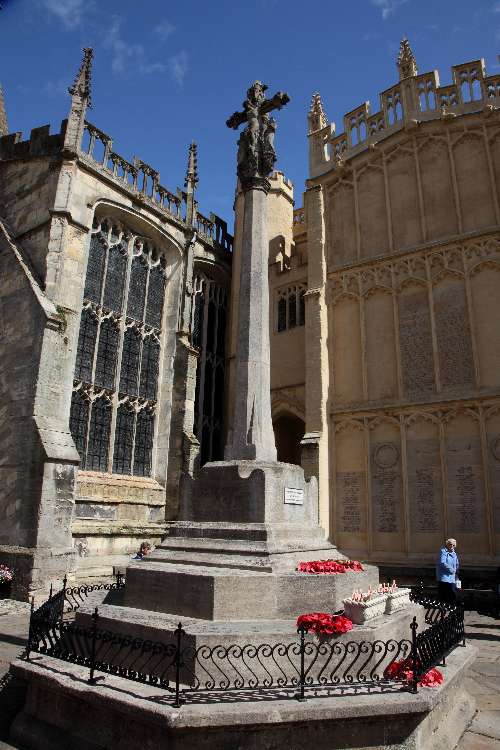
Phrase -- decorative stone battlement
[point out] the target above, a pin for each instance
(415, 98)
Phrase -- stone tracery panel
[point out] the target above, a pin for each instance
(456, 363)
(386, 486)
(476, 200)
(380, 345)
(342, 224)
(372, 211)
(346, 352)
(485, 285)
(437, 188)
(493, 457)
(404, 201)
(350, 485)
(465, 483)
(415, 342)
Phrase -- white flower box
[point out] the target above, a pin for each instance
(361, 612)
(398, 599)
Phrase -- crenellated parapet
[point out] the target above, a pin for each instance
(415, 98)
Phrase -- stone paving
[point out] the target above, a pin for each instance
(483, 680)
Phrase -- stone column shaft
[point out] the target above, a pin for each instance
(251, 435)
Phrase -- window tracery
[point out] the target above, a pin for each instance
(208, 331)
(117, 367)
(290, 307)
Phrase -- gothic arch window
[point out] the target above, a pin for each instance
(290, 307)
(113, 408)
(208, 332)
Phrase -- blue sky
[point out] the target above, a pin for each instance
(166, 73)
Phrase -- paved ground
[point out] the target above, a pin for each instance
(483, 680)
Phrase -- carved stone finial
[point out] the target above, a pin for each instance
(256, 154)
(407, 65)
(82, 83)
(316, 117)
(191, 181)
(4, 128)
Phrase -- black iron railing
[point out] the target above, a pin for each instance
(295, 668)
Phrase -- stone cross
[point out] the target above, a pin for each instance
(251, 435)
(256, 155)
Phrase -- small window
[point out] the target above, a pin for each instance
(290, 307)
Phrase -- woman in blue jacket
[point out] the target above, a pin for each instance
(447, 571)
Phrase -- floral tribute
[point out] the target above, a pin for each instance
(324, 624)
(6, 574)
(403, 671)
(329, 566)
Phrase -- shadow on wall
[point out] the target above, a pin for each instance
(288, 432)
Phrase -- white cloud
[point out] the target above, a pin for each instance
(387, 7)
(125, 55)
(164, 29)
(178, 65)
(56, 88)
(69, 12)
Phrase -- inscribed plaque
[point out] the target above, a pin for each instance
(465, 485)
(294, 496)
(386, 488)
(415, 342)
(350, 510)
(453, 335)
(424, 485)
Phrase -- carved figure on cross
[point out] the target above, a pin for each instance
(256, 154)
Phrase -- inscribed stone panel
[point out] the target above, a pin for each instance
(342, 240)
(346, 349)
(380, 346)
(350, 488)
(456, 366)
(386, 488)
(372, 213)
(493, 438)
(415, 342)
(486, 306)
(437, 188)
(403, 192)
(466, 497)
(425, 486)
(476, 200)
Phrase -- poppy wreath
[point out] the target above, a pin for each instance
(329, 566)
(324, 624)
(403, 670)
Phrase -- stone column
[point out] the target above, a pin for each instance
(251, 435)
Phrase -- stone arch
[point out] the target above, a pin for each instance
(289, 430)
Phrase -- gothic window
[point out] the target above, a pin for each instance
(85, 347)
(130, 361)
(78, 422)
(143, 443)
(124, 439)
(149, 368)
(208, 330)
(98, 445)
(118, 354)
(106, 354)
(290, 307)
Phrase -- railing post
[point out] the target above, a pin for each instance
(65, 584)
(30, 630)
(179, 633)
(414, 656)
(462, 621)
(95, 618)
(443, 636)
(302, 676)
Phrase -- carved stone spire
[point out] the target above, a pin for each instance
(4, 128)
(82, 84)
(316, 118)
(80, 101)
(191, 181)
(407, 65)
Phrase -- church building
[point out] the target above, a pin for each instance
(117, 332)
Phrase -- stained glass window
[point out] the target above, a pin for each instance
(149, 368)
(114, 355)
(115, 279)
(124, 440)
(143, 443)
(137, 288)
(130, 361)
(85, 347)
(105, 365)
(78, 422)
(156, 293)
(95, 269)
(98, 446)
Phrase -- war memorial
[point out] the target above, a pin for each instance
(201, 647)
